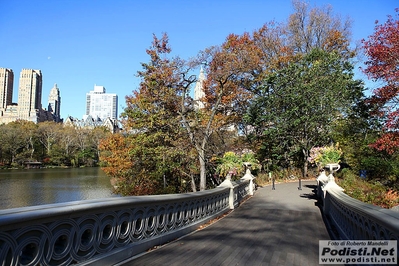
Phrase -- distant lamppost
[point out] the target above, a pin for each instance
(269, 162)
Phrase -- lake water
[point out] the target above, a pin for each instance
(21, 188)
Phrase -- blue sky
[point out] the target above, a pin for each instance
(80, 43)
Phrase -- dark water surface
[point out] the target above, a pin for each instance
(21, 188)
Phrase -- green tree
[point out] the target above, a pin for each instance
(27, 133)
(68, 144)
(298, 104)
(86, 152)
(95, 136)
(355, 133)
(233, 164)
(13, 142)
(155, 141)
(49, 135)
(31, 138)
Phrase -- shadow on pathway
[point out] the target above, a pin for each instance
(274, 227)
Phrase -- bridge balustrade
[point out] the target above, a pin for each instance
(351, 219)
(107, 231)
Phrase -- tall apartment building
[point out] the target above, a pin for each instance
(102, 105)
(54, 103)
(29, 105)
(30, 95)
(199, 91)
(6, 87)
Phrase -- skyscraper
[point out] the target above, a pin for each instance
(29, 105)
(100, 104)
(54, 103)
(199, 91)
(6, 87)
(30, 94)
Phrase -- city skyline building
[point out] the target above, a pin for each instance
(199, 95)
(101, 105)
(54, 103)
(29, 94)
(29, 106)
(199, 91)
(89, 122)
(6, 87)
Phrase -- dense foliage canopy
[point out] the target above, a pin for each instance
(293, 83)
(51, 143)
(382, 50)
(298, 104)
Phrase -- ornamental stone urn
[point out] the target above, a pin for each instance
(332, 167)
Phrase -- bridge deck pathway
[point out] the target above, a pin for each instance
(274, 227)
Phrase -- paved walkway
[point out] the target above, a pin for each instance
(274, 227)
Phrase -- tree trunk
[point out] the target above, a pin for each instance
(305, 163)
(33, 147)
(193, 185)
(305, 168)
(202, 171)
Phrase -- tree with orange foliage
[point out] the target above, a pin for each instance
(225, 98)
(121, 161)
(382, 49)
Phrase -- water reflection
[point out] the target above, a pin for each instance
(21, 188)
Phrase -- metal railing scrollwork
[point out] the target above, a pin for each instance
(352, 219)
(109, 230)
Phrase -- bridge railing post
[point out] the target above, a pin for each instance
(328, 184)
(250, 177)
(227, 183)
(353, 219)
(322, 179)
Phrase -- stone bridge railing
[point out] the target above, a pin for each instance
(107, 231)
(351, 219)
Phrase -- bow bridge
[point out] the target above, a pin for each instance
(280, 226)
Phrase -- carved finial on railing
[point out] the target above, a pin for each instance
(249, 176)
(227, 180)
(322, 180)
(227, 183)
